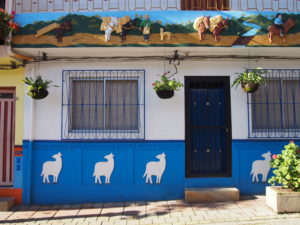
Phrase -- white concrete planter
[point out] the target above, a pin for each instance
(282, 201)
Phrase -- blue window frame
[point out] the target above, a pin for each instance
(273, 110)
(103, 105)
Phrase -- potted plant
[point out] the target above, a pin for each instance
(250, 79)
(165, 87)
(37, 87)
(6, 24)
(285, 198)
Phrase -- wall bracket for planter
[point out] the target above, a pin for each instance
(165, 94)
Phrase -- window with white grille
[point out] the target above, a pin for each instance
(103, 104)
(274, 108)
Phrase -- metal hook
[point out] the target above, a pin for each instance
(176, 70)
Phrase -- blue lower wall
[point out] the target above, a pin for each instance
(76, 181)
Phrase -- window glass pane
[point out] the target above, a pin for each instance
(291, 93)
(87, 105)
(266, 106)
(122, 105)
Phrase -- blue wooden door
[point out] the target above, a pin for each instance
(208, 126)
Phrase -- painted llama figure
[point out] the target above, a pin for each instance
(52, 168)
(104, 169)
(155, 169)
(261, 167)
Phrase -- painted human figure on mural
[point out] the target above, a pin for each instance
(155, 169)
(261, 167)
(146, 25)
(279, 23)
(52, 168)
(110, 28)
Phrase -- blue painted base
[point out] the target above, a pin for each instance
(76, 183)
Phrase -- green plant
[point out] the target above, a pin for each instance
(6, 24)
(287, 167)
(37, 84)
(252, 77)
(166, 84)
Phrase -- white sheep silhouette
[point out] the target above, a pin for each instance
(52, 168)
(155, 169)
(261, 167)
(104, 169)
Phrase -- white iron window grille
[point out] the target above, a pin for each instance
(103, 104)
(273, 110)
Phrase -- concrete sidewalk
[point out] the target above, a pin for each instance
(250, 210)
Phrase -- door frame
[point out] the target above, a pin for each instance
(13, 112)
(227, 96)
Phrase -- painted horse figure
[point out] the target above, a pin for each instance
(223, 24)
(201, 24)
(275, 30)
(126, 27)
(59, 32)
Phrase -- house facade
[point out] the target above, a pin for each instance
(11, 126)
(105, 135)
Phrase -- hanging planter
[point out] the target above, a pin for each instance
(165, 87)
(250, 87)
(250, 79)
(38, 94)
(37, 87)
(165, 94)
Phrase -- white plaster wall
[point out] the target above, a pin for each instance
(264, 5)
(94, 5)
(164, 118)
(128, 5)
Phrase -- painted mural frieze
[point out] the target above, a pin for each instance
(261, 167)
(52, 168)
(155, 169)
(156, 28)
(104, 169)
(214, 24)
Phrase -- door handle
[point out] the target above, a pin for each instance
(227, 130)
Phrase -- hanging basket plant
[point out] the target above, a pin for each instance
(6, 24)
(37, 87)
(165, 94)
(165, 87)
(250, 87)
(250, 79)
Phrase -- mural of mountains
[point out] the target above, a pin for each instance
(244, 29)
(81, 24)
(91, 24)
(265, 22)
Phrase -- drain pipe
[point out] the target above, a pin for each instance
(30, 149)
(30, 130)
